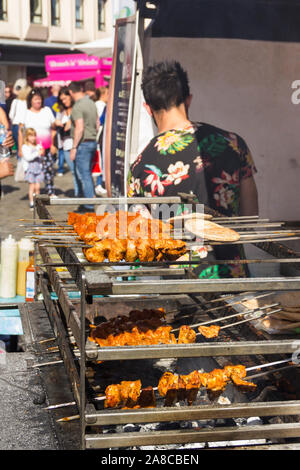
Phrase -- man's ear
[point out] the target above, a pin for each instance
(148, 109)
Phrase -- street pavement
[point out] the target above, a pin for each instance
(14, 204)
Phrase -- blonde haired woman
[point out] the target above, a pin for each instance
(17, 112)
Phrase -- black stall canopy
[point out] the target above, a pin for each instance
(265, 20)
(243, 61)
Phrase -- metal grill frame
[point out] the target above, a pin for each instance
(104, 284)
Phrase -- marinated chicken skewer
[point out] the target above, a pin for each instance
(142, 332)
(126, 236)
(130, 250)
(149, 330)
(175, 387)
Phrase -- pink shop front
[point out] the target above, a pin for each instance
(65, 68)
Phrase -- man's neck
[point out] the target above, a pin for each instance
(175, 118)
(78, 96)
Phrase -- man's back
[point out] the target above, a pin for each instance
(202, 159)
(85, 109)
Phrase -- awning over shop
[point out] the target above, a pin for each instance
(99, 48)
(64, 78)
(62, 69)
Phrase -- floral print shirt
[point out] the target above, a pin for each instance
(176, 161)
(185, 160)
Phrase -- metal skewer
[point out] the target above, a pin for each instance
(61, 405)
(269, 364)
(214, 309)
(272, 371)
(250, 319)
(247, 320)
(230, 316)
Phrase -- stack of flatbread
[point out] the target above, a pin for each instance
(284, 321)
(211, 231)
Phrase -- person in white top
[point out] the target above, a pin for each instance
(17, 112)
(32, 163)
(41, 119)
(63, 122)
(101, 99)
(101, 103)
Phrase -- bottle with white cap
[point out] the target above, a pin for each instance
(24, 247)
(8, 273)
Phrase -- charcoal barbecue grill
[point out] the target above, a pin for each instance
(179, 287)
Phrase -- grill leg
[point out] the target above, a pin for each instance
(82, 360)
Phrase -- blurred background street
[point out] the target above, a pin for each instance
(15, 204)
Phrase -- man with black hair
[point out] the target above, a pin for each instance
(214, 164)
(84, 133)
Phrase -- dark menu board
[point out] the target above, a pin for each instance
(118, 108)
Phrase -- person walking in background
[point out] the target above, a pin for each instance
(17, 113)
(63, 122)
(84, 133)
(32, 164)
(52, 100)
(52, 103)
(101, 104)
(9, 97)
(101, 100)
(41, 119)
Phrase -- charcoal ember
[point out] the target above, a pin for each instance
(99, 319)
(168, 426)
(131, 428)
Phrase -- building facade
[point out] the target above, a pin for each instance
(31, 29)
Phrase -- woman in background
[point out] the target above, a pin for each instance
(17, 113)
(41, 119)
(63, 122)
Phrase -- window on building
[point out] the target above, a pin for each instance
(101, 15)
(79, 13)
(3, 10)
(36, 16)
(55, 12)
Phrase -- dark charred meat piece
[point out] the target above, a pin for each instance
(147, 398)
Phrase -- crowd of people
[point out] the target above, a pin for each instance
(59, 130)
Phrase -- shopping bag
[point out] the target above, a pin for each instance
(19, 172)
(96, 163)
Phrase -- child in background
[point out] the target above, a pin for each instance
(32, 164)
